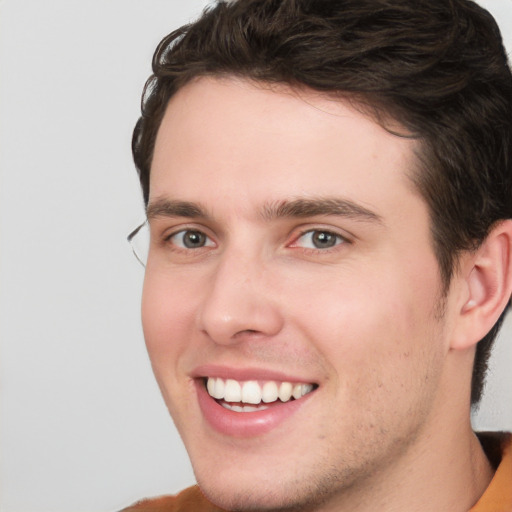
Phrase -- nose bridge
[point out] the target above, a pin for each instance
(239, 298)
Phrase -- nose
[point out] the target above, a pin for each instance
(239, 302)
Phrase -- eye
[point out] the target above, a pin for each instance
(318, 239)
(190, 239)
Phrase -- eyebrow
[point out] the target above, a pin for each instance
(171, 208)
(302, 208)
(298, 208)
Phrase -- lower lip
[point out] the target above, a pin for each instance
(244, 424)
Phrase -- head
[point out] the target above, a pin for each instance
(442, 73)
(432, 75)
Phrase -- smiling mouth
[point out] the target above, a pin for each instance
(252, 396)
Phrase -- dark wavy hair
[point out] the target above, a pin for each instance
(438, 67)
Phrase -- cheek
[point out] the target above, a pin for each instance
(380, 336)
(168, 320)
(167, 311)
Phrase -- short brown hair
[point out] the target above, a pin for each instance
(438, 67)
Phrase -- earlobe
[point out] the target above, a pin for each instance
(488, 286)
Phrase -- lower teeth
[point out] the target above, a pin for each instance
(243, 408)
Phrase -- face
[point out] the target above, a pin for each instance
(291, 294)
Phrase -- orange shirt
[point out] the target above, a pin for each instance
(189, 500)
(497, 497)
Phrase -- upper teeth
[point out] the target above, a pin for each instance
(252, 392)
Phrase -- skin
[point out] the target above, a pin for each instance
(364, 320)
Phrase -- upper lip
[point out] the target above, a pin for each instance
(247, 373)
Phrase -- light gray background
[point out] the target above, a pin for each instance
(83, 427)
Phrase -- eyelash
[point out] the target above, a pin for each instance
(183, 232)
(339, 240)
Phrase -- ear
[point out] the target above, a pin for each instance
(486, 280)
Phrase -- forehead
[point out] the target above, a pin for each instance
(260, 143)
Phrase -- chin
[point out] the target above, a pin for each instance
(253, 498)
(234, 490)
(263, 491)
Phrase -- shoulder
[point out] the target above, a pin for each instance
(190, 499)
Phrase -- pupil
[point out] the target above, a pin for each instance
(322, 239)
(194, 239)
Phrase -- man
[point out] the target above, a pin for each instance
(329, 199)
